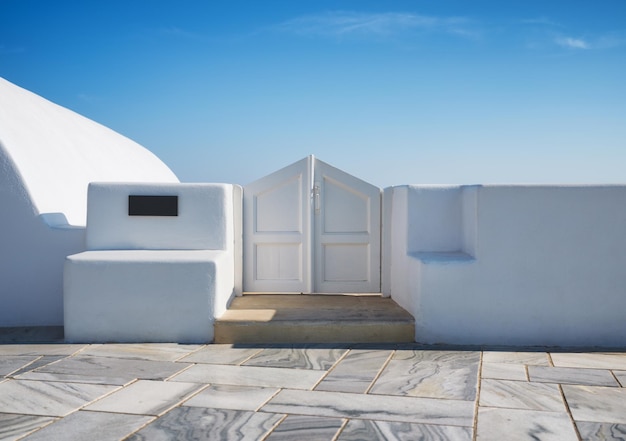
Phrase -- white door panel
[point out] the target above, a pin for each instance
(310, 227)
(277, 225)
(347, 232)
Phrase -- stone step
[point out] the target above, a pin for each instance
(314, 318)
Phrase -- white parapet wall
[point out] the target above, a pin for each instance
(509, 265)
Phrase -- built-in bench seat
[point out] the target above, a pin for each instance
(152, 273)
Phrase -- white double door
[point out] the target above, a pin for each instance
(311, 228)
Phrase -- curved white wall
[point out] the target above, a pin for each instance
(57, 153)
(48, 157)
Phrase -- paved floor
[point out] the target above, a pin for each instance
(307, 392)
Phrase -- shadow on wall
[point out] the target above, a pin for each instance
(32, 255)
(48, 157)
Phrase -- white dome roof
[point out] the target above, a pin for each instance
(58, 152)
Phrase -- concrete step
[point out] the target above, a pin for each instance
(311, 318)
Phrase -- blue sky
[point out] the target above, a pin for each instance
(394, 92)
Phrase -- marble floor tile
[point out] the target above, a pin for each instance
(432, 374)
(375, 407)
(621, 377)
(232, 397)
(597, 404)
(39, 362)
(200, 424)
(12, 363)
(41, 349)
(359, 430)
(47, 398)
(308, 357)
(521, 395)
(504, 371)
(13, 427)
(304, 428)
(590, 360)
(564, 375)
(222, 354)
(355, 372)
(428, 355)
(82, 425)
(104, 370)
(528, 358)
(522, 425)
(250, 376)
(601, 431)
(151, 351)
(145, 397)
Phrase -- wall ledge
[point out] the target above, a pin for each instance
(442, 257)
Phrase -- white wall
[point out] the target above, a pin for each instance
(48, 156)
(153, 278)
(31, 257)
(534, 265)
(201, 223)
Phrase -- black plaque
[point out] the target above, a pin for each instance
(152, 205)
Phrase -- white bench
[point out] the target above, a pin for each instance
(159, 265)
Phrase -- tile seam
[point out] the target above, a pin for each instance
(379, 373)
(150, 421)
(332, 368)
(190, 353)
(10, 374)
(181, 401)
(569, 413)
(477, 398)
(53, 420)
(344, 423)
(174, 375)
(278, 390)
(271, 430)
(250, 357)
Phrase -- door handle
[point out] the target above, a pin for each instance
(316, 198)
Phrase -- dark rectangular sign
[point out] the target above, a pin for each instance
(152, 205)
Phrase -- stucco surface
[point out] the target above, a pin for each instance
(143, 295)
(525, 265)
(204, 220)
(57, 152)
(48, 156)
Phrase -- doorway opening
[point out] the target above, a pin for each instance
(311, 228)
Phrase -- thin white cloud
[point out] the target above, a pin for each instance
(540, 21)
(572, 43)
(541, 32)
(342, 23)
(601, 42)
(611, 40)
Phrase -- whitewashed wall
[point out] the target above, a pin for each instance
(31, 257)
(510, 265)
(48, 156)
